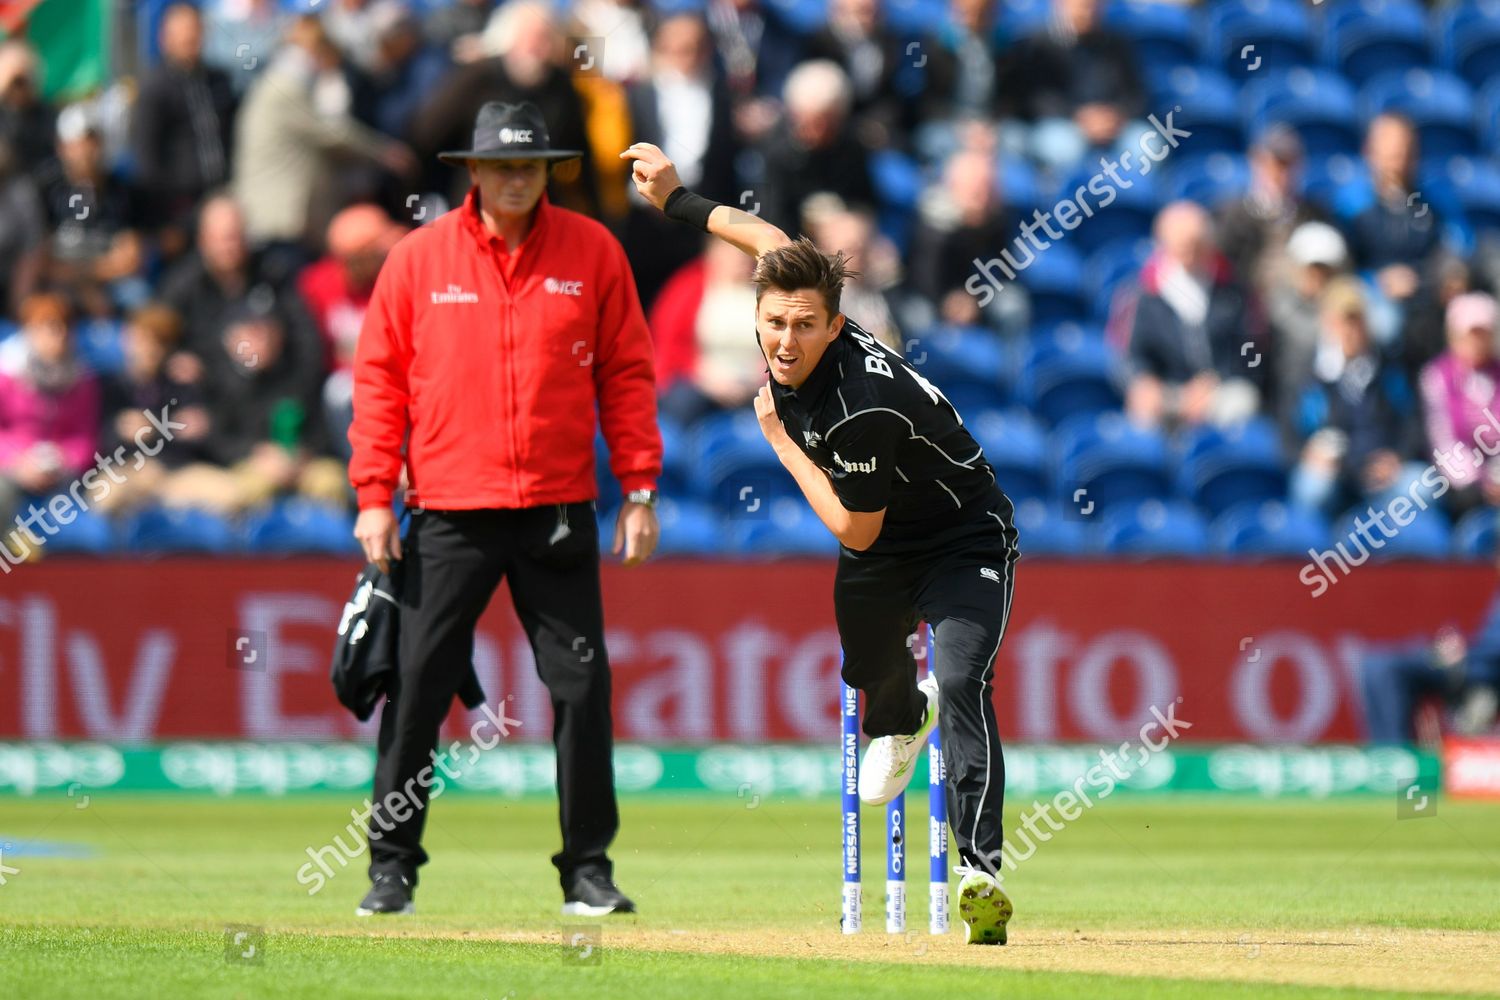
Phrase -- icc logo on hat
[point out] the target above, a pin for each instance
(510, 135)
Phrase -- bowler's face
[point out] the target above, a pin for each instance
(794, 330)
(509, 187)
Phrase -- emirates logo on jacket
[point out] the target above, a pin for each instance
(455, 293)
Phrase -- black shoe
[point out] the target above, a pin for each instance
(390, 893)
(593, 894)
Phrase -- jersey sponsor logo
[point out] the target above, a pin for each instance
(454, 294)
(854, 466)
(510, 135)
(989, 574)
(812, 438)
(557, 286)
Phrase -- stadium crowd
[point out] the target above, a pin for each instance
(1202, 279)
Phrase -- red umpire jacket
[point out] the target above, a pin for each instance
(489, 364)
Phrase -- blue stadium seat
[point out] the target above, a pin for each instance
(1476, 186)
(1362, 38)
(1224, 467)
(89, 533)
(789, 528)
(1209, 180)
(1047, 531)
(952, 357)
(1128, 215)
(1209, 103)
(1015, 445)
(1020, 186)
(1054, 279)
(1161, 34)
(1109, 267)
(1440, 104)
(299, 525)
(967, 398)
(1019, 18)
(1247, 36)
(1477, 533)
(1154, 528)
(1269, 528)
(688, 528)
(159, 530)
(1488, 115)
(803, 16)
(676, 460)
(733, 466)
(1340, 181)
(1427, 536)
(1468, 40)
(1319, 103)
(1110, 462)
(915, 17)
(897, 179)
(100, 345)
(1070, 375)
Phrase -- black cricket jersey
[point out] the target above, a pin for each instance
(888, 438)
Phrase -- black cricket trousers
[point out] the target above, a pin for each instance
(960, 583)
(454, 561)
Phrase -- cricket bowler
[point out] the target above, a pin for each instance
(925, 532)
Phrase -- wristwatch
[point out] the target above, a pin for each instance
(644, 497)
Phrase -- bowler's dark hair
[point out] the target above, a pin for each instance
(800, 264)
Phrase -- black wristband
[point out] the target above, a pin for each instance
(684, 206)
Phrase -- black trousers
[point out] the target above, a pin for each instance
(961, 585)
(454, 560)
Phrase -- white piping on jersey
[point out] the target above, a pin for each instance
(944, 485)
(913, 436)
(902, 475)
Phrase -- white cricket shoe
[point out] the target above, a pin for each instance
(887, 766)
(983, 906)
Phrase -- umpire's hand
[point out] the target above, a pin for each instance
(379, 535)
(636, 531)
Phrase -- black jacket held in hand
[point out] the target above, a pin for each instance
(364, 658)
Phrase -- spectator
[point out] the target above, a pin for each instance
(960, 77)
(403, 69)
(871, 55)
(758, 50)
(143, 388)
(337, 290)
(683, 108)
(241, 37)
(266, 434)
(49, 407)
(963, 219)
(286, 146)
(871, 296)
(1254, 228)
(1462, 675)
(1196, 343)
(183, 124)
(1460, 396)
(222, 274)
(1424, 335)
(26, 120)
(1317, 255)
(614, 39)
(1073, 85)
(23, 232)
(813, 149)
(522, 62)
(445, 24)
(1355, 413)
(354, 27)
(96, 252)
(1393, 238)
(707, 360)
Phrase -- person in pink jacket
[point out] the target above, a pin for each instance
(49, 409)
(1461, 403)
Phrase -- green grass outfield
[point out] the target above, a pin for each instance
(1140, 897)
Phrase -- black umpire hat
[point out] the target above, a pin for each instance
(509, 132)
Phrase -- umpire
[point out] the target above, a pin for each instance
(491, 336)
